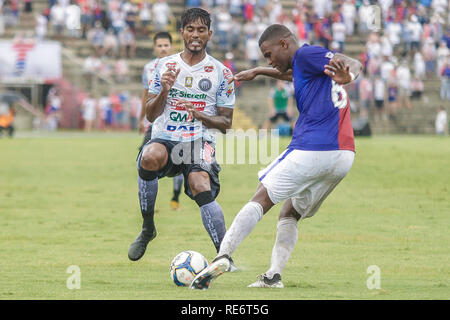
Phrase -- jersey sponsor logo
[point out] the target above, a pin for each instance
(209, 68)
(175, 93)
(205, 84)
(181, 117)
(188, 82)
(208, 152)
(198, 105)
(186, 131)
(229, 91)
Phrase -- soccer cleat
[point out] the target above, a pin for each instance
(216, 268)
(264, 282)
(175, 205)
(138, 247)
(232, 267)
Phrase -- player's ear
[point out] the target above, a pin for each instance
(210, 32)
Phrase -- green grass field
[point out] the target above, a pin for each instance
(72, 200)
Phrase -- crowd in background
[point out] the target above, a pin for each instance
(407, 45)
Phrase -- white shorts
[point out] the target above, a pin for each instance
(305, 177)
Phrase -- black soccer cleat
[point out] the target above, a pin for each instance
(138, 247)
(216, 268)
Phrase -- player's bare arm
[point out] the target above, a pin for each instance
(222, 121)
(156, 102)
(142, 113)
(343, 69)
(248, 75)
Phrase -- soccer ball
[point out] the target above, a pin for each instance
(185, 266)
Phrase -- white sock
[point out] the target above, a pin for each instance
(287, 235)
(242, 225)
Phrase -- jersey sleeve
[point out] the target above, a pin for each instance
(312, 59)
(145, 77)
(154, 83)
(225, 94)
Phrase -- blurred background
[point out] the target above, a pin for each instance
(77, 64)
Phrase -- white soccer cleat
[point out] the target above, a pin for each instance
(211, 272)
(264, 282)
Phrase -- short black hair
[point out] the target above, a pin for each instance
(274, 31)
(194, 14)
(162, 35)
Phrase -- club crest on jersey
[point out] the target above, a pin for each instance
(209, 68)
(205, 84)
(171, 64)
(188, 82)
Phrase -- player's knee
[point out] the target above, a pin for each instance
(153, 159)
(199, 182)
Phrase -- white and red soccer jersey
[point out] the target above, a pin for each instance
(205, 85)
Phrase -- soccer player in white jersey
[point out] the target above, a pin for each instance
(189, 98)
(162, 42)
(319, 156)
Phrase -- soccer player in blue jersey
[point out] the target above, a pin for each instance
(162, 42)
(319, 156)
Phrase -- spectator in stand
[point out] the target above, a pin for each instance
(322, 8)
(235, 7)
(86, 18)
(386, 46)
(235, 35)
(121, 71)
(441, 56)
(416, 88)
(92, 65)
(252, 51)
(248, 10)
(349, 14)
(364, 16)
(110, 45)
(415, 33)
(41, 27)
(441, 122)
(161, 15)
(117, 17)
(53, 109)
(365, 94)
(89, 111)
(73, 19)
(96, 37)
(419, 65)
(379, 95)
(28, 8)
(386, 68)
(145, 16)
(394, 32)
(105, 113)
(131, 15)
(445, 80)
(58, 19)
(429, 55)
(223, 26)
(339, 30)
(404, 84)
(193, 4)
(127, 43)
(393, 95)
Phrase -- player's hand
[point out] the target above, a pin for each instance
(246, 75)
(168, 78)
(189, 108)
(338, 71)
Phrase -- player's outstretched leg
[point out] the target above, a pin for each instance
(217, 267)
(148, 190)
(177, 184)
(242, 225)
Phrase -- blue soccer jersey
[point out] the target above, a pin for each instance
(324, 122)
